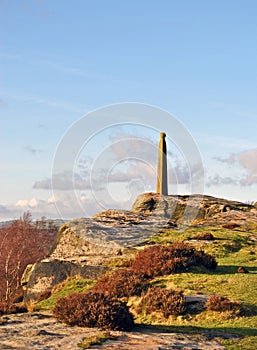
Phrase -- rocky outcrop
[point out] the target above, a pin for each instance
(106, 234)
(187, 209)
(42, 276)
(85, 246)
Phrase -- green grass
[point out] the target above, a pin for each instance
(95, 339)
(170, 236)
(233, 244)
(241, 287)
(231, 248)
(117, 262)
(74, 285)
(248, 343)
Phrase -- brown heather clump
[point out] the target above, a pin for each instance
(230, 225)
(122, 283)
(160, 260)
(222, 304)
(166, 301)
(12, 308)
(94, 310)
(204, 236)
(242, 269)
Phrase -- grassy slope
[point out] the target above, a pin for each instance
(72, 285)
(232, 248)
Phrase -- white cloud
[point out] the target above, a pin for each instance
(60, 206)
(22, 203)
(247, 161)
(33, 203)
(141, 155)
(83, 198)
(51, 200)
(65, 181)
(126, 146)
(132, 171)
(179, 172)
(217, 180)
(27, 203)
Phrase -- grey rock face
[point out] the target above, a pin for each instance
(185, 209)
(46, 274)
(83, 246)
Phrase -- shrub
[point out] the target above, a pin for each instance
(222, 304)
(122, 283)
(160, 260)
(94, 310)
(12, 308)
(167, 301)
(242, 269)
(204, 236)
(206, 260)
(230, 225)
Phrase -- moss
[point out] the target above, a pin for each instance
(71, 285)
(96, 339)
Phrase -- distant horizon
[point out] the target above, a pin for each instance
(72, 218)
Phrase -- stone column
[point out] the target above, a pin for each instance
(162, 178)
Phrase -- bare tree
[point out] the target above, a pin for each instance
(21, 243)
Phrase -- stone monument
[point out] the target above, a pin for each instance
(162, 178)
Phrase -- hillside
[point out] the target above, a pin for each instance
(227, 230)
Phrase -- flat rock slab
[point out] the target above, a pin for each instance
(42, 332)
(160, 341)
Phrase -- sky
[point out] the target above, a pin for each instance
(86, 87)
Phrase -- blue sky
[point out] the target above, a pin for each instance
(62, 59)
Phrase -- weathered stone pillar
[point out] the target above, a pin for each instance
(162, 178)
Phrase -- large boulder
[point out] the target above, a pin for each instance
(189, 209)
(85, 247)
(44, 275)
